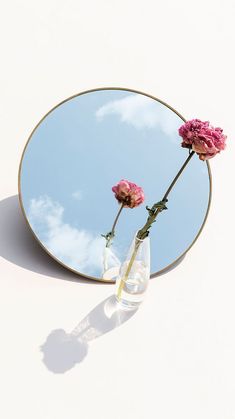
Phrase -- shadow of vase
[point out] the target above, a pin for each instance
(62, 350)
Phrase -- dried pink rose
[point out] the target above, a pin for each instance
(128, 193)
(202, 138)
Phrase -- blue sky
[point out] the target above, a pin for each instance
(81, 150)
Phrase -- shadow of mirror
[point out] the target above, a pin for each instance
(18, 245)
(62, 350)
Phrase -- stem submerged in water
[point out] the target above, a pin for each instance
(123, 280)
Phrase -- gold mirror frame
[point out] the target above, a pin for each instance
(158, 273)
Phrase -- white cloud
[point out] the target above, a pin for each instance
(78, 249)
(141, 112)
(78, 195)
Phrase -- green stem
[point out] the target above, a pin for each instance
(109, 236)
(178, 174)
(160, 206)
(153, 213)
(123, 280)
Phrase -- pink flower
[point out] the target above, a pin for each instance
(202, 138)
(128, 193)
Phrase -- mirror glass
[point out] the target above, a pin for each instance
(83, 147)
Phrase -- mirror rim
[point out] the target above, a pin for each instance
(82, 275)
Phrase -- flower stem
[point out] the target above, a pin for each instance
(160, 206)
(109, 236)
(178, 174)
(153, 212)
(116, 219)
(123, 280)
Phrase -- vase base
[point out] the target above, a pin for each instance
(128, 305)
(111, 273)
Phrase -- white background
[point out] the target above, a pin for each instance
(175, 357)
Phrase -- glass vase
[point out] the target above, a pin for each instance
(134, 274)
(111, 264)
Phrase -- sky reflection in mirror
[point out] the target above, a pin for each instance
(84, 147)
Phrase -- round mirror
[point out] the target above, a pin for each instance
(83, 147)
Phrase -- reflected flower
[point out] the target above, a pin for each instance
(129, 194)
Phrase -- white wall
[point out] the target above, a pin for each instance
(175, 357)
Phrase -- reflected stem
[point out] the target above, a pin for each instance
(109, 237)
